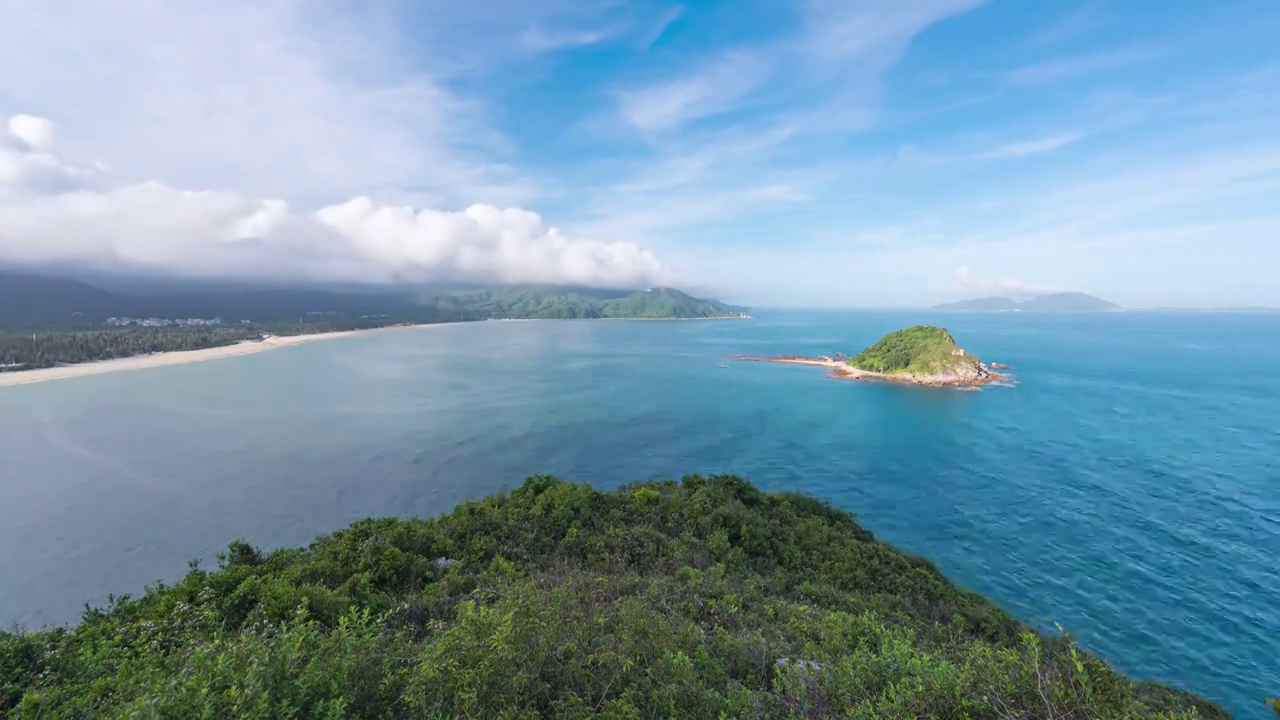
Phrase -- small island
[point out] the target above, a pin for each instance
(919, 355)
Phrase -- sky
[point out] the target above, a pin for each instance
(772, 152)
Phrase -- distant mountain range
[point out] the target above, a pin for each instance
(33, 301)
(1054, 302)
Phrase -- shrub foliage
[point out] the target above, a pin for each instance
(918, 349)
(699, 599)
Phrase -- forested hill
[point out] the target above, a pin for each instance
(699, 599)
(554, 302)
(47, 302)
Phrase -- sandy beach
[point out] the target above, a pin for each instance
(247, 347)
(181, 357)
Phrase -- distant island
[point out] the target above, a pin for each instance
(920, 355)
(703, 598)
(49, 322)
(1053, 302)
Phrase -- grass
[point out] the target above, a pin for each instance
(700, 599)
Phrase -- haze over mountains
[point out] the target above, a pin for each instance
(1051, 302)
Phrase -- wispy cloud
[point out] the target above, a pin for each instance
(840, 30)
(539, 39)
(1069, 68)
(1068, 26)
(910, 154)
(969, 284)
(713, 88)
(659, 28)
(844, 44)
(1032, 147)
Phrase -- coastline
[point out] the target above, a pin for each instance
(842, 370)
(180, 357)
(667, 319)
(244, 347)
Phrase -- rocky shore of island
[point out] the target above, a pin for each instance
(960, 376)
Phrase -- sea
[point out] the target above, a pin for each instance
(1124, 484)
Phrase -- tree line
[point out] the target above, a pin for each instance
(29, 351)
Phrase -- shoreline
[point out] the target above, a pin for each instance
(671, 319)
(182, 357)
(244, 347)
(845, 371)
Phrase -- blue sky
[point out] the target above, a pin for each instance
(790, 152)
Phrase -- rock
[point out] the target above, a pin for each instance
(804, 667)
(444, 562)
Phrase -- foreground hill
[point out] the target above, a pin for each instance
(701, 599)
(1054, 302)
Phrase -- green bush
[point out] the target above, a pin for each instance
(919, 349)
(699, 599)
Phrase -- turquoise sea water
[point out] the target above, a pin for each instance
(1128, 486)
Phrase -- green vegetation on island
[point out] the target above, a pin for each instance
(921, 350)
(699, 599)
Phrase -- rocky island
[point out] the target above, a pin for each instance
(919, 355)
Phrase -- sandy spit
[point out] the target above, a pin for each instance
(181, 357)
(842, 369)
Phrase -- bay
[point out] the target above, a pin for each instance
(1126, 487)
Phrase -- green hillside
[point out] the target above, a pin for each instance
(665, 303)
(549, 302)
(49, 321)
(699, 599)
(40, 302)
(922, 349)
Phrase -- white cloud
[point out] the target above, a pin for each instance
(154, 227)
(26, 160)
(267, 97)
(36, 132)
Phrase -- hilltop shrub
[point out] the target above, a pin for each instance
(921, 349)
(699, 599)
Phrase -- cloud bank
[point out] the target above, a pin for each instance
(53, 211)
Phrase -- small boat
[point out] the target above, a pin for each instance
(723, 365)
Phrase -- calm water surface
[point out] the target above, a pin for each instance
(1128, 487)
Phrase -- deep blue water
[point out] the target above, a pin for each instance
(1127, 488)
